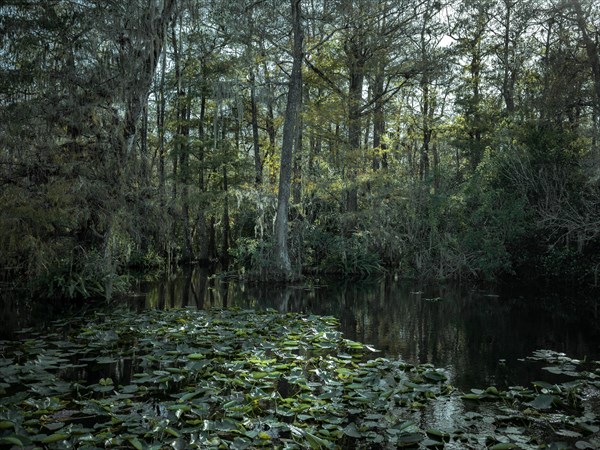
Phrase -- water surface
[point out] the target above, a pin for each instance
(478, 336)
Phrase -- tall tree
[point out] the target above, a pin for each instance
(182, 139)
(471, 32)
(290, 130)
(588, 29)
(140, 45)
(88, 73)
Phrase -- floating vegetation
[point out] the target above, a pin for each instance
(244, 379)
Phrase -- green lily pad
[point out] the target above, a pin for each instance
(11, 440)
(55, 438)
(5, 425)
(542, 401)
(352, 431)
(232, 379)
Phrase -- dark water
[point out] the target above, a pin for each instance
(478, 336)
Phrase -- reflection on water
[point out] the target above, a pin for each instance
(476, 336)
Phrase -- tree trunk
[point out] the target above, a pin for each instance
(181, 145)
(144, 172)
(593, 53)
(356, 67)
(509, 77)
(160, 123)
(255, 136)
(212, 238)
(203, 247)
(378, 120)
(297, 177)
(475, 131)
(269, 120)
(137, 79)
(354, 132)
(425, 129)
(315, 145)
(290, 125)
(226, 231)
(185, 202)
(546, 71)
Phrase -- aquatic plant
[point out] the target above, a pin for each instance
(244, 379)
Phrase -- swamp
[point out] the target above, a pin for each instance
(300, 224)
(202, 362)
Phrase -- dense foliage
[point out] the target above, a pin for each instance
(442, 140)
(240, 379)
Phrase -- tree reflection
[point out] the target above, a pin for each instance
(466, 331)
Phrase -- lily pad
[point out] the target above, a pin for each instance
(542, 401)
(242, 379)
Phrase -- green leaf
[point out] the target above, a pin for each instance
(471, 396)
(188, 396)
(493, 390)
(54, 426)
(588, 428)
(504, 446)
(315, 441)
(172, 432)
(135, 442)
(354, 345)
(568, 433)
(542, 401)
(130, 389)
(434, 375)
(5, 425)
(11, 440)
(410, 439)
(55, 438)
(439, 434)
(106, 360)
(352, 431)
(259, 375)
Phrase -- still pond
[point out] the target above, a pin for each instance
(478, 336)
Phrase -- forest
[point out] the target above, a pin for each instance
(293, 224)
(438, 140)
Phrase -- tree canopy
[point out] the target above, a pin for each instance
(438, 139)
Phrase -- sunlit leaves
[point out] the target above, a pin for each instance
(245, 380)
(218, 378)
